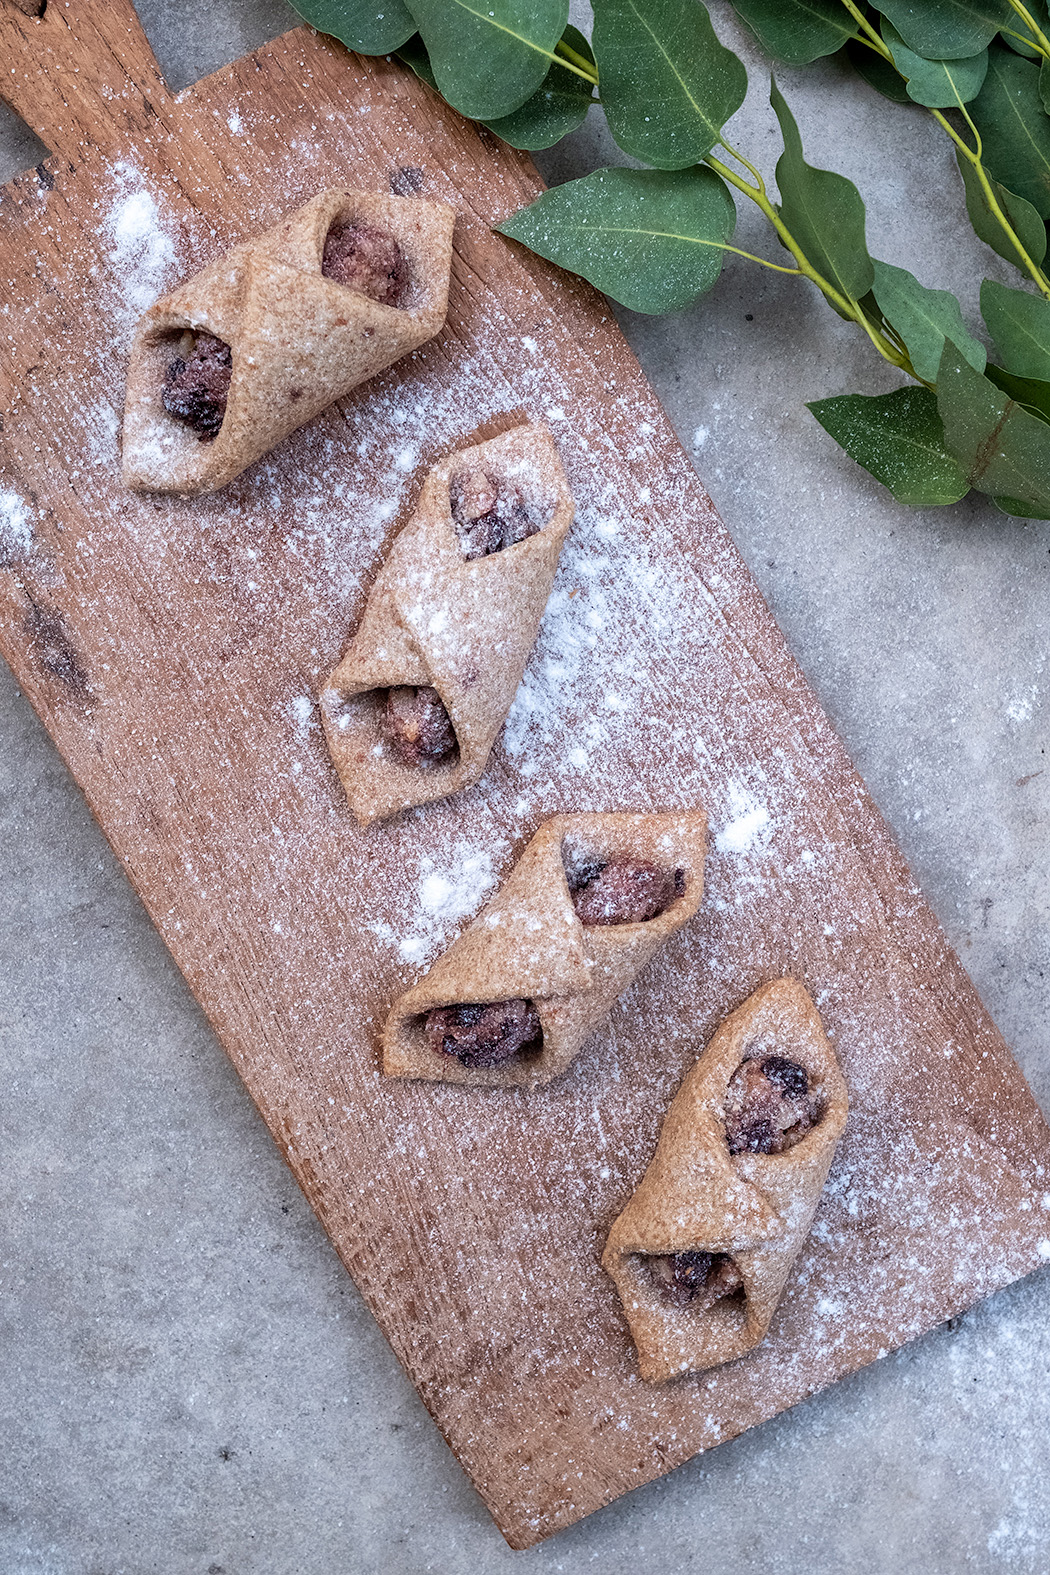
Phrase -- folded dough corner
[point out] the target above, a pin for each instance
(463, 627)
(298, 340)
(529, 943)
(753, 1209)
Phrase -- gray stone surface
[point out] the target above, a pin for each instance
(188, 1381)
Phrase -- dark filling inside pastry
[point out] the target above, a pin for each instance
(416, 726)
(769, 1107)
(488, 514)
(366, 259)
(197, 383)
(621, 890)
(487, 1034)
(694, 1279)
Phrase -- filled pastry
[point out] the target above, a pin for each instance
(589, 902)
(274, 331)
(414, 707)
(702, 1252)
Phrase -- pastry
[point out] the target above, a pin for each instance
(267, 336)
(702, 1252)
(589, 902)
(414, 707)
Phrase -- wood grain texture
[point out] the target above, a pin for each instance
(174, 650)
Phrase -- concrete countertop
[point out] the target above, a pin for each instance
(188, 1380)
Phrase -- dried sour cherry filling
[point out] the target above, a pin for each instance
(197, 383)
(769, 1105)
(489, 513)
(621, 889)
(415, 726)
(484, 1034)
(693, 1279)
(365, 258)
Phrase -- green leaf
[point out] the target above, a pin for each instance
(898, 438)
(1020, 325)
(414, 54)
(556, 108)
(1031, 392)
(947, 29)
(1030, 229)
(938, 84)
(823, 211)
(651, 239)
(372, 27)
(1008, 112)
(1044, 85)
(489, 56)
(924, 319)
(1020, 510)
(668, 84)
(797, 31)
(878, 73)
(1003, 449)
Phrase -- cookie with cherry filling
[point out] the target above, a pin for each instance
(268, 335)
(702, 1252)
(414, 707)
(515, 998)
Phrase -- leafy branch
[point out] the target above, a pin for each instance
(655, 238)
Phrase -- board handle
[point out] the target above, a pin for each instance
(81, 73)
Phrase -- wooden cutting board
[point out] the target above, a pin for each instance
(175, 650)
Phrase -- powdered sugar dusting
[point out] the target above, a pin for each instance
(750, 827)
(141, 250)
(16, 528)
(447, 892)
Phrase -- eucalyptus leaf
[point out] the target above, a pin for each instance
(1028, 226)
(938, 84)
(557, 107)
(947, 29)
(651, 239)
(1044, 85)
(878, 73)
(823, 211)
(1020, 325)
(898, 438)
(1031, 392)
(797, 31)
(1015, 132)
(924, 318)
(1002, 448)
(489, 56)
(1019, 510)
(372, 27)
(414, 54)
(668, 85)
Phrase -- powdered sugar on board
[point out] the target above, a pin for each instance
(656, 681)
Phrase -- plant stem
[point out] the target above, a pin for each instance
(564, 56)
(873, 40)
(1038, 36)
(733, 154)
(974, 157)
(1023, 38)
(570, 57)
(843, 303)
